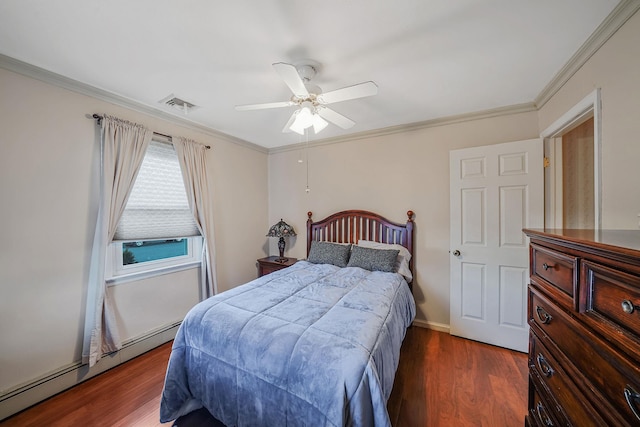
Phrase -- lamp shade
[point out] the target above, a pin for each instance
(304, 119)
(318, 123)
(281, 229)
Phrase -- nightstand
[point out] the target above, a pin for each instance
(269, 264)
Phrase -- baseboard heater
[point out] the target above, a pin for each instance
(41, 388)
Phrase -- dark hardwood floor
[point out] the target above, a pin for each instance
(446, 381)
(442, 381)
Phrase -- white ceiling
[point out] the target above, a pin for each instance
(430, 58)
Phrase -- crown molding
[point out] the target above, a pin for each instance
(616, 19)
(443, 121)
(61, 81)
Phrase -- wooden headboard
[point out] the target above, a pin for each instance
(354, 225)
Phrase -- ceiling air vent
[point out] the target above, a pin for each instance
(179, 104)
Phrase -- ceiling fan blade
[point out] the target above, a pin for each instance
(360, 90)
(264, 106)
(287, 127)
(335, 118)
(291, 78)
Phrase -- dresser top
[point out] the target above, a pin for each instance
(621, 241)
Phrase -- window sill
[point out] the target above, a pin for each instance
(133, 277)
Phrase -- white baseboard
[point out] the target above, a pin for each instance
(441, 327)
(39, 389)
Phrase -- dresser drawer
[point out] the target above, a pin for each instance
(611, 378)
(610, 301)
(541, 409)
(555, 379)
(557, 269)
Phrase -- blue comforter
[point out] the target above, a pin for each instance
(309, 345)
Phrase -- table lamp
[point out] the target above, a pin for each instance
(281, 230)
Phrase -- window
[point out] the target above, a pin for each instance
(157, 233)
(153, 250)
(145, 258)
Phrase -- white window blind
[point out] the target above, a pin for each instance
(157, 207)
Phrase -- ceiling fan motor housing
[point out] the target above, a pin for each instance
(306, 72)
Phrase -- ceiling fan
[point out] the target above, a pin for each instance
(312, 103)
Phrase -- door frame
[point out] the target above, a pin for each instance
(591, 105)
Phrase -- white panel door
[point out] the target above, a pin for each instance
(495, 191)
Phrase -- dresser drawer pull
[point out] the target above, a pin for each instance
(628, 307)
(547, 266)
(543, 315)
(544, 366)
(633, 398)
(543, 416)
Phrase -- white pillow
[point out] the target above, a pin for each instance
(402, 262)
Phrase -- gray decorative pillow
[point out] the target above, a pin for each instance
(329, 253)
(373, 259)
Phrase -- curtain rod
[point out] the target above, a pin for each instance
(99, 118)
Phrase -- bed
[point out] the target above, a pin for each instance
(314, 344)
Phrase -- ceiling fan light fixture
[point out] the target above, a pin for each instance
(302, 121)
(319, 123)
(304, 118)
(297, 129)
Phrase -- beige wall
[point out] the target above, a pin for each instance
(390, 174)
(48, 204)
(615, 68)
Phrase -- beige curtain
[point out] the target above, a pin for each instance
(123, 146)
(192, 157)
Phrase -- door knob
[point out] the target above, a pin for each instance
(456, 253)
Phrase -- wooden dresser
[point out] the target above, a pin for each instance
(584, 313)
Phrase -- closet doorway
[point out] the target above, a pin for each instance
(572, 172)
